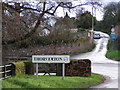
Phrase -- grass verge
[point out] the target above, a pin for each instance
(113, 54)
(113, 51)
(0, 84)
(29, 81)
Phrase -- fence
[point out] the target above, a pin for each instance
(5, 71)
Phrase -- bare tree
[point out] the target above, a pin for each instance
(21, 20)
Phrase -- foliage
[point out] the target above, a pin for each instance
(0, 84)
(113, 49)
(112, 12)
(85, 20)
(110, 17)
(65, 23)
(81, 29)
(22, 68)
(29, 81)
(19, 68)
(113, 54)
(21, 20)
(21, 44)
(113, 44)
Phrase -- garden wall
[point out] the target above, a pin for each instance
(74, 68)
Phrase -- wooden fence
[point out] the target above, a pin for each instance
(5, 71)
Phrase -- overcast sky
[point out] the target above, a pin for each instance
(60, 12)
(99, 12)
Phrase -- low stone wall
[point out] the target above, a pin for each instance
(78, 68)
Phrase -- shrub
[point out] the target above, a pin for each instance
(81, 29)
(23, 44)
(19, 68)
(29, 68)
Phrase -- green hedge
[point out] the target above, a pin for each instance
(19, 68)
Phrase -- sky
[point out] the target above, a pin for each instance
(98, 14)
(60, 12)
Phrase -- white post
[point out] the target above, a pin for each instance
(63, 70)
(37, 71)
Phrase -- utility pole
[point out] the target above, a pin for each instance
(92, 31)
(92, 19)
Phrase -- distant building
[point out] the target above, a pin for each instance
(44, 32)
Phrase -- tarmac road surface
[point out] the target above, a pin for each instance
(100, 64)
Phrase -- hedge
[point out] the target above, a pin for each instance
(74, 68)
(19, 68)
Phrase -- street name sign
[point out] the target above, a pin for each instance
(50, 58)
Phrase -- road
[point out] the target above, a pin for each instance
(100, 64)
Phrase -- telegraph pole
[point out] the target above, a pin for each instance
(92, 31)
(92, 19)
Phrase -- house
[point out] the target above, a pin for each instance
(44, 32)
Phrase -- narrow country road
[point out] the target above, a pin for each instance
(100, 64)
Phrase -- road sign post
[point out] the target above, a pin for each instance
(37, 71)
(63, 70)
(51, 59)
(113, 35)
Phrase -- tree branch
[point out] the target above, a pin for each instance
(28, 34)
(21, 7)
(44, 6)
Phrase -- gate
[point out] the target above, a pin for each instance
(5, 71)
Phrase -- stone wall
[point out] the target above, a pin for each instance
(78, 68)
(74, 68)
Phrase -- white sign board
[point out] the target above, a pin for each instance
(112, 30)
(50, 58)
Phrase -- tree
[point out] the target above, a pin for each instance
(111, 15)
(21, 20)
(85, 20)
(66, 22)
